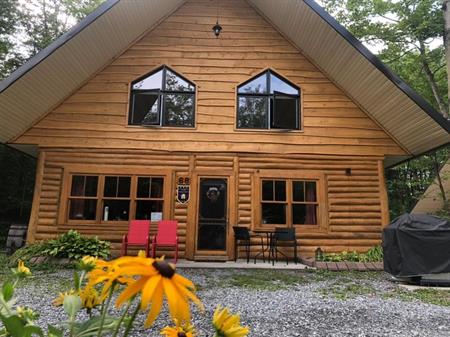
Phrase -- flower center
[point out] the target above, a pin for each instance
(164, 268)
(181, 334)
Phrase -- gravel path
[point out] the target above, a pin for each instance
(283, 304)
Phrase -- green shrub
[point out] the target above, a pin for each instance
(374, 254)
(70, 245)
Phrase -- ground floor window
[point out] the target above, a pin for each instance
(288, 201)
(105, 198)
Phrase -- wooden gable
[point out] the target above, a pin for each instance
(95, 116)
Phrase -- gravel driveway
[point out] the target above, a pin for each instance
(287, 303)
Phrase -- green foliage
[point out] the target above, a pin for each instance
(405, 33)
(69, 245)
(374, 254)
(407, 182)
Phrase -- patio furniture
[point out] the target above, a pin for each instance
(166, 237)
(243, 238)
(138, 235)
(284, 237)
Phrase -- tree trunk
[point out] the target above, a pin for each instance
(431, 80)
(446, 10)
(438, 178)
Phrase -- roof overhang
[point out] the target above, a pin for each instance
(60, 69)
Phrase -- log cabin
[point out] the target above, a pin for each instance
(282, 120)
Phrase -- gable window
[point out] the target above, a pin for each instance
(268, 101)
(162, 98)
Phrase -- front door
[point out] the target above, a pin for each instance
(212, 215)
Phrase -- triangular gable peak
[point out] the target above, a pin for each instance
(181, 41)
(96, 115)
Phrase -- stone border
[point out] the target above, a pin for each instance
(343, 265)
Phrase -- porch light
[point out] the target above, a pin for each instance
(217, 29)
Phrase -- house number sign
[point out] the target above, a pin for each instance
(183, 190)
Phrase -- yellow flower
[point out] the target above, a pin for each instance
(22, 270)
(89, 297)
(228, 325)
(87, 263)
(156, 279)
(57, 302)
(178, 331)
(153, 279)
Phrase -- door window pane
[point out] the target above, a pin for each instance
(273, 213)
(252, 112)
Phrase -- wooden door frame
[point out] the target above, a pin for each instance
(192, 218)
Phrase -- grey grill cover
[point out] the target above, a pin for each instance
(416, 244)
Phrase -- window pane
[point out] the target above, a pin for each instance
(77, 186)
(277, 84)
(145, 109)
(256, 86)
(280, 190)
(252, 112)
(267, 190)
(284, 112)
(118, 210)
(124, 187)
(144, 208)
(157, 187)
(176, 83)
(178, 110)
(150, 83)
(110, 189)
(304, 214)
(82, 209)
(311, 191)
(91, 186)
(143, 187)
(273, 213)
(298, 190)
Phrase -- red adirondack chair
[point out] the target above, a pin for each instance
(166, 236)
(138, 235)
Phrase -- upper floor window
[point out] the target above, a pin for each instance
(162, 98)
(268, 101)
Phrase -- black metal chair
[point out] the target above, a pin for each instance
(284, 237)
(243, 238)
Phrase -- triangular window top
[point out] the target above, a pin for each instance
(164, 80)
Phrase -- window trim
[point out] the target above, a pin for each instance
(161, 93)
(299, 105)
(102, 172)
(289, 176)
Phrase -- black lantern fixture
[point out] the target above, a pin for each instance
(217, 29)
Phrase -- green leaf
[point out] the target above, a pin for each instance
(7, 291)
(54, 332)
(31, 330)
(14, 325)
(91, 327)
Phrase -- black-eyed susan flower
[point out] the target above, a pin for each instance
(227, 324)
(58, 301)
(21, 270)
(156, 279)
(89, 297)
(178, 331)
